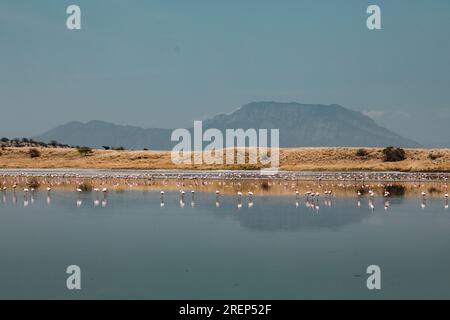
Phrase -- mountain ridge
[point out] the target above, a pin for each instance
(301, 125)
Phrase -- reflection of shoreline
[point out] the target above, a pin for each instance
(268, 217)
(282, 184)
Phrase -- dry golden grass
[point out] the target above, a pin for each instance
(301, 159)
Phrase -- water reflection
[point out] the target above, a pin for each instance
(216, 240)
(260, 213)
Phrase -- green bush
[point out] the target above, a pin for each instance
(392, 154)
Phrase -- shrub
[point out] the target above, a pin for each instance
(84, 151)
(362, 152)
(4, 139)
(106, 147)
(34, 153)
(392, 154)
(434, 156)
(119, 148)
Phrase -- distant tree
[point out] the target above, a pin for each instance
(4, 139)
(392, 154)
(53, 143)
(34, 153)
(25, 140)
(84, 151)
(106, 147)
(145, 149)
(119, 148)
(16, 142)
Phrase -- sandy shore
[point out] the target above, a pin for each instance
(295, 159)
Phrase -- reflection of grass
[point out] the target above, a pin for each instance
(33, 183)
(396, 190)
(303, 159)
(433, 190)
(265, 185)
(85, 186)
(231, 187)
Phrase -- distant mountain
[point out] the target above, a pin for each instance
(99, 133)
(301, 125)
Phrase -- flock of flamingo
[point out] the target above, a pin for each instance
(235, 182)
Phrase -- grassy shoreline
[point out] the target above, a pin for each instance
(293, 159)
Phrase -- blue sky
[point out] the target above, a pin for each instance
(166, 63)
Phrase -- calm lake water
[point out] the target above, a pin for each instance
(133, 248)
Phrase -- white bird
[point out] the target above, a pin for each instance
(25, 190)
(79, 190)
(446, 195)
(104, 190)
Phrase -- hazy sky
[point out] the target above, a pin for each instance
(166, 63)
